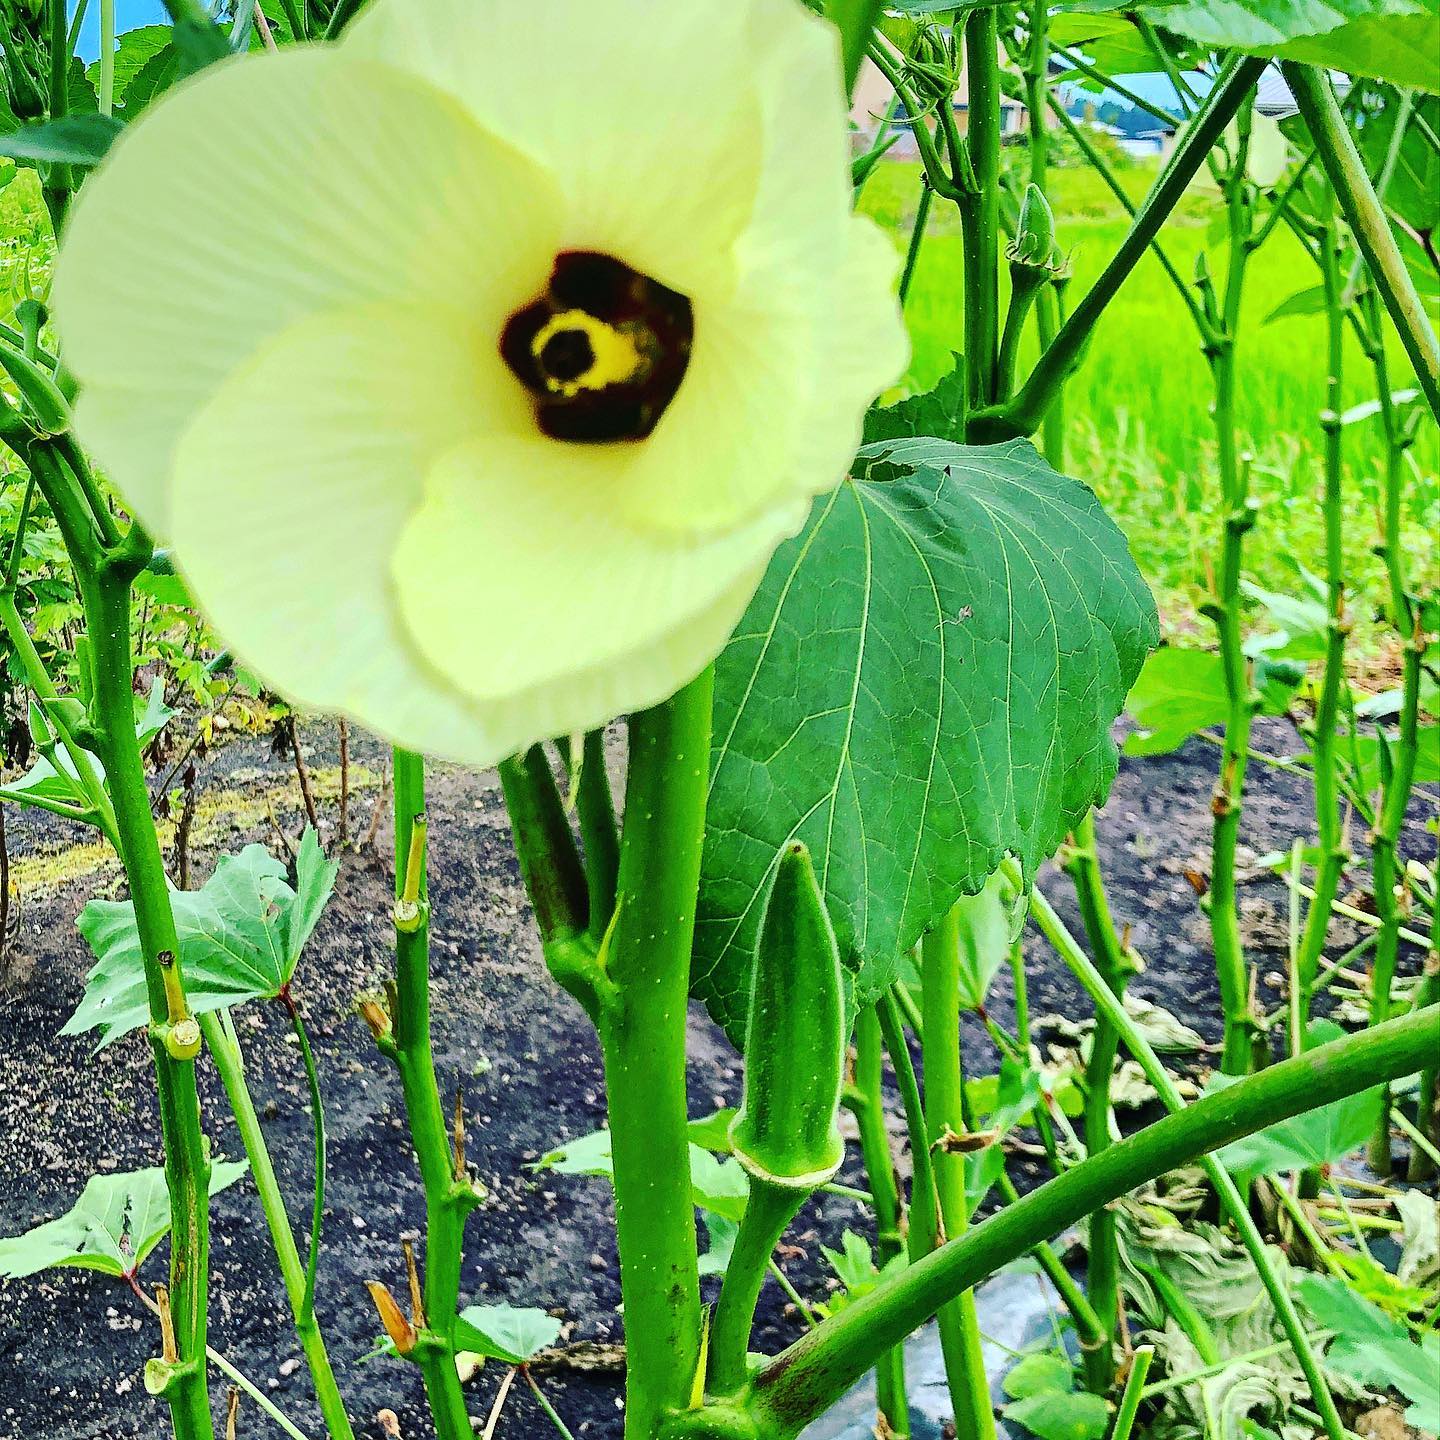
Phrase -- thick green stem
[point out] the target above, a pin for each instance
(1366, 216)
(225, 1051)
(1023, 412)
(449, 1194)
(1327, 711)
(1232, 1202)
(980, 208)
(944, 1102)
(807, 1378)
(1082, 862)
(641, 1020)
(866, 1101)
(105, 592)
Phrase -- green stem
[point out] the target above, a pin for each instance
(1089, 1329)
(317, 1114)
(980, 209)
(917, 237)
(105, 593)
(768, 1214)
(810, 1375)
(1327, 711)
(641, 1021)
(449, 1196)
(107, 57)
(595, 806)
(1023, 412)
(1427, 1103)
(1398, 785)
(1134, 1390)
(1149, 107)
(1232, 1202)
(1097, 163)
(1082, 863)
(944, 1091)
(1225, 610)
(866, 1101)
(262, 1401)
(1366, 216)
(224, 1046)
(55, 187)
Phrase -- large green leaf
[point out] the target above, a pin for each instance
(240, 938)
(117, 1221)
(925, 681)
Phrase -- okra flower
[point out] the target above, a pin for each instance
(474, 367)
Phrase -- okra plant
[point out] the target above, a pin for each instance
(495, 372)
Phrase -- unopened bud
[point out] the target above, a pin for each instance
(1034, 247)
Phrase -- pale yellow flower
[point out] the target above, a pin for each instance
(475, 366)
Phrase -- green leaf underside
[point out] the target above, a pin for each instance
(117, 1221)
(240, 938)
(925, 680)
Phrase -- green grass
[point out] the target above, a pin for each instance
(1138, 413)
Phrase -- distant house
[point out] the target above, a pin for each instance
(873, 97)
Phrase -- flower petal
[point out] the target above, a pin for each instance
(564, 575)
(645, 114)
(267, 189)
(291, 489)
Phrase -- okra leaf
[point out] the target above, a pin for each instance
(505, 1332)
(117, 1221)
(924, 682)
(1318, 1137)
(241, 936)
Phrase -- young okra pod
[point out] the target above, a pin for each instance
(787, 1131)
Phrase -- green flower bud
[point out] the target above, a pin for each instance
(787, 1131)
(40, 733)
(1034, 247)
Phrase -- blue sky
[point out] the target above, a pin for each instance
(129, 15)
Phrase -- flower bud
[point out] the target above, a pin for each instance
(786, 1131)
(1034, 246)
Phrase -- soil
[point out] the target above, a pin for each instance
(73, 1344)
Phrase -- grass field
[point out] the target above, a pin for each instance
(1139, 425)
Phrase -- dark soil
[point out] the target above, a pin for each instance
(73, 1344)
